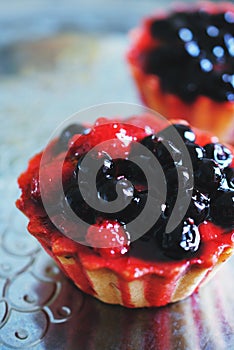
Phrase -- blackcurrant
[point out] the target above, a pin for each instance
(208, 175)
(176, 176)
(196, 152)
(199, 207)
(220, 153)
(184, 131)
(229, 172)
(222, 209)
(165, 151)
(183, 241)
(75, 201)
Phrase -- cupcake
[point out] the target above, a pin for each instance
(183, 65)
(102, 252)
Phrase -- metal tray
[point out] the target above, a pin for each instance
(47, 80)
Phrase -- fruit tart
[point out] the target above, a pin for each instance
(183, 64)
(105, 255)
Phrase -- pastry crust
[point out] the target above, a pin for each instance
(110, 287)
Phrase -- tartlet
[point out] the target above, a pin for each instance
(183, 64)
(158, 267)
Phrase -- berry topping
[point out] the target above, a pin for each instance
(208, 175)
(196, 152)
(193, 54)
(206, 188)
(109, 192)
(220, 153)
(199, 207)
(108, 238)
(184, 240)
(69, 132)
(222, 209)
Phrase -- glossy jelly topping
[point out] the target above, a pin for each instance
(193, 54)
(211, 194)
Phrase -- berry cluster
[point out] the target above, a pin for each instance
(209, 185)
(195, 55)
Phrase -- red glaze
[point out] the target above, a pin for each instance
(136, 263)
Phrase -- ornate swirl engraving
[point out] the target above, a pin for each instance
(32, 291)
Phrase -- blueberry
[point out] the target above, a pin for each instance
(229, 172)
(183, 241)
(222, 209)
(67, 134)
(136, 174)
(184, 131)
(75, 201)
(90, 164)
(220, 153)
(176, 175)
(108, 190)
(196, 152)
(208, 175)
(133, 209)
(199, 207)
(151, 142)
(165, 151)
(130, 170)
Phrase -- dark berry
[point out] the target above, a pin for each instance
(129, 202)
(165, 151)
(208, 175)
(133, 209)
(220, 153)
(90, 164)
(222, 209)
(131, 171)
(107, 190)
(151, 142)
(229, 172)
(196, 152)
(199, 207)
(138, 175)
(176, 176)
(113, 189)
(75, 201)
(177, 204)
(183, 241)
(69, 132)
(184, 131)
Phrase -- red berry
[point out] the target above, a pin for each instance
(108, 238)
(110, 136)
